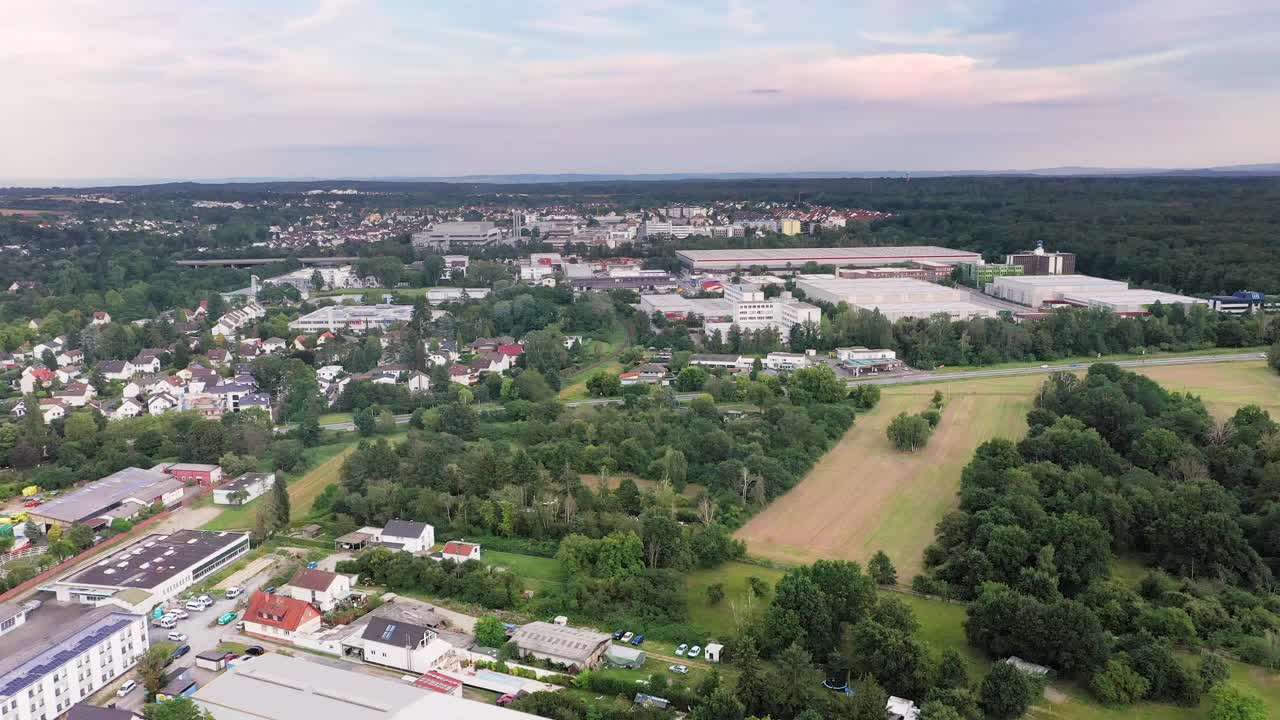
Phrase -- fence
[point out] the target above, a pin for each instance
(71, 562)
(25, 552)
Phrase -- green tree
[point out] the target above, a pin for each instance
(719, 704)
(544, 351)
(604, 384)
(909, 432)
(934, 710)
(715, 593)
(489, 632)
(176, 709)
(881, 569)
(1118, 685)
(152, 667)
(952, 671)
(317, 280)
(279, 505)
(1006, 692)
(869, 700)
(1213, 670)
(692, 379)
(1231, 702)
(796, 681)
(817, 385)
(365, 421)
(80, 426)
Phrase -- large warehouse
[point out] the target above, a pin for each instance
(121, 494)
(795, 258)
(895, 298)
(1083, 291)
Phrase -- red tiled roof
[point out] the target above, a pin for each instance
(278, 611)
(437, 681)
(510, 349)
(313, 579)
(454, 547)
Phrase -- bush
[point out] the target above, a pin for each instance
(1118, 685)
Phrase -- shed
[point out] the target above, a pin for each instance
(1027, 667)
(652, 701)
(352, 541)
(211, 660)
(712, 652)
(624, 656)
(178, 683)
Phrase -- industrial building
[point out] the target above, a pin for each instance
(244, 489)
(894, 298)
(1039, 262)
(569, 646)
(120, 495)
(1244, 302)
(358, 318)
(1037, 291)
(160, 566)
(458, 236)
(54, 655)
(796, 258)
(979, 275)
(279, 687)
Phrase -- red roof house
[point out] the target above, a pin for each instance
(459, 551)
(512, 350)
(278, 617)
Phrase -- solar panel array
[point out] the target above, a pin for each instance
(66, 651)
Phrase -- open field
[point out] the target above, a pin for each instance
(536, 571)
(864, 496)
(718, 620)
(593, 481)
(1094, 359)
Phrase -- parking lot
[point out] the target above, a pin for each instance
(203, 633)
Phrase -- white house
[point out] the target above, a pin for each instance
(161, 403)
(329, 373)
(279, 617)
(116, 369)
(320, 588)
(404, 646)
(252, 484)
(52, 409)
(273, 345)
(101, 317)
(459, 551)
(419, 382)
(407, 535)
(126, 408)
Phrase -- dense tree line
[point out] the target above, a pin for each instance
(1114, 465)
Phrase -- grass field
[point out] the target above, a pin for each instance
(325, 462)
(719, 620)
(1104, 358)
(864, 496)
(536, 571)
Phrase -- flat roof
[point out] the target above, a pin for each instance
(749, 256)
(278, 687)
(559, 640)
(244, 481)
(925, 309)
(1057, 280)
(153, 559)
(100, 495)
(52, 635)
(1134, 295)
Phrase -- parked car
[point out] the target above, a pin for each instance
(682, 669)
(165, 622)
(177, 637)
(617, 634)
(695, 651)
(240, 626)
(181, 614)
(313, 565)
(682, 649)
(228, 657)
(271, 590)
(36, 503)
(254, 650)
(637, 640)
(626, 636)
(128, 687)
(206, 599)
(232, 592)
(180, 651)
(226, 618)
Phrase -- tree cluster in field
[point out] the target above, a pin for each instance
(471, 581)
(912, 432)
(1115, 466)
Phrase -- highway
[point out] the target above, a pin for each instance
(931, 377)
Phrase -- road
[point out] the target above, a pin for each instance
(927, 377)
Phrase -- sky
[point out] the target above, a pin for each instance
(176, 89)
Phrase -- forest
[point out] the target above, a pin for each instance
(1115, 467)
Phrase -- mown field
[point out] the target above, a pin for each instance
(865, 496)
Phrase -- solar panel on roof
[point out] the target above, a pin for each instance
(388, 631)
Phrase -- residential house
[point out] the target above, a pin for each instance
(6, 361)
(36, 376)
(101, 317)
(261, 401)
(274, 345)
(244, 489)
(403, 645)
(231, 394)
(70, 357)
(147, 361)
(419, 382)
(323, 589)
(493, 362)
(463, 375)
(161, 403)
(34, 324)
(52, 409)
(279, 617)
(20, 285)
(124, 408)
(482, 345)
(116, 369)
(648, 374)
(68, 373)
(512, 352)
(76, 394)
(459, 551)
(329, 373)
(218, 357)
(407, 535)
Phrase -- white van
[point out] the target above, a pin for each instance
(167, 622)
(233, 592)
(126, 688)
(197, 604)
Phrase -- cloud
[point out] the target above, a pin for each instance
(940, 37)
(765, 91)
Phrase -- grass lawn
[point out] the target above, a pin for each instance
(338, 417)
(325, 463)
(1104, 358)
(573, 386)
(537, 571)
(718, 620)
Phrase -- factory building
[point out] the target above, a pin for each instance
(795, 258)
(979, 275)
(458, 236)
(1038, 291)
(358, 318)
(894, 298)
(1039, 262)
